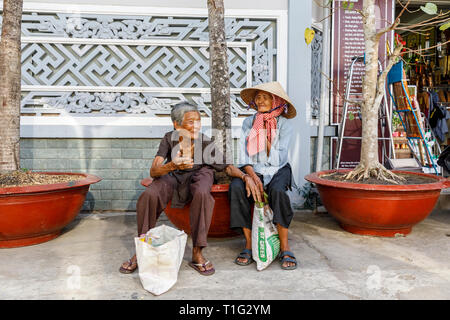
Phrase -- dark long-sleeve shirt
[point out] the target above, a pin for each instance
(205, 154)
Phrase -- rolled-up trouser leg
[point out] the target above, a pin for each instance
(279, 201)
(153, 201)
(202, 205)
(240, 206)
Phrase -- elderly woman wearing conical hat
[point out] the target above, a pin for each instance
(264, 144)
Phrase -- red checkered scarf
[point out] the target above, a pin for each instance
(256, 140)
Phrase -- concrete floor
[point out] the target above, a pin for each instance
(333, 264)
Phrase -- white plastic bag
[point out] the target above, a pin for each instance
(160, 260)
(265, 239)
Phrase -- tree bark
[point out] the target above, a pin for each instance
(373, 90)
(219, 77)
(10, 80)
(369, 112)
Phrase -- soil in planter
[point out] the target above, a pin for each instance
(27, 178)
(409, 179)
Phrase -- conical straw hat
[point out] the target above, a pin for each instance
(248, 95)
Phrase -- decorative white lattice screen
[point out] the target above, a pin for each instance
(113, 64)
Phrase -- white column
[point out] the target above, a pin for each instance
(299, 89)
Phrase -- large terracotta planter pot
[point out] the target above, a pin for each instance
(378, 210)
(220, 223)
(35, 214)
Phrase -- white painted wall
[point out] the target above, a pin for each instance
(299, 90)
(317, 12)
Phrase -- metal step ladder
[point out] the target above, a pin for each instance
(420, 137)
(384, 117)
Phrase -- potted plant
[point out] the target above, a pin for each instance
(34, 207)
(370, 199)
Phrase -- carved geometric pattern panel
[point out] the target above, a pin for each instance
(102, 51)
(316, 72)
(56, 64)
(37, 103)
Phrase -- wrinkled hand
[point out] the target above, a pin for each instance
(183, 163)
(185, 143)
(259, 184)
(187, 151)
(253, 189)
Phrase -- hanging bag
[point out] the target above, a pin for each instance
(265, 239)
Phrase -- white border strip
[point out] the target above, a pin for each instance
(106, 127)
(128, 42)
(139, 10)
(27, 88)
(282, 47)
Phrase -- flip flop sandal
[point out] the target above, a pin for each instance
(245, 254)
(127, 271)
(290, 258)
(205, 272)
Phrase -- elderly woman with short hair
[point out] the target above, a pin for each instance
(264, 150)
(179, 180)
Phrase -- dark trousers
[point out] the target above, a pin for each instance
(279, 202)
(157, 195)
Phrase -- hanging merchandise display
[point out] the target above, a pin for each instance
(427, 68)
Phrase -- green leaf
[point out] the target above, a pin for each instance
(351, 116)
(445, 26)
(347, 6)
(430, 8)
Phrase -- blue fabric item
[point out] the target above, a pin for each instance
(434, 99)
(441, 127)
(396, 73)
(278, 156)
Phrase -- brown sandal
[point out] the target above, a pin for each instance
(205, 272)
(126, 270)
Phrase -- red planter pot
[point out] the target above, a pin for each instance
(378, 210)
(35, 214)
(220, 223)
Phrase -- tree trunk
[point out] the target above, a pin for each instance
(369, 112)
(373, 89)
(10, 78)
(219, 77)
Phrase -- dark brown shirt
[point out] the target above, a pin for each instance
(168, 148)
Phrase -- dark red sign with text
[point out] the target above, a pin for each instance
(347, 43)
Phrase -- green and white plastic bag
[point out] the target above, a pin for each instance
(159, 256)
(265, 239)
